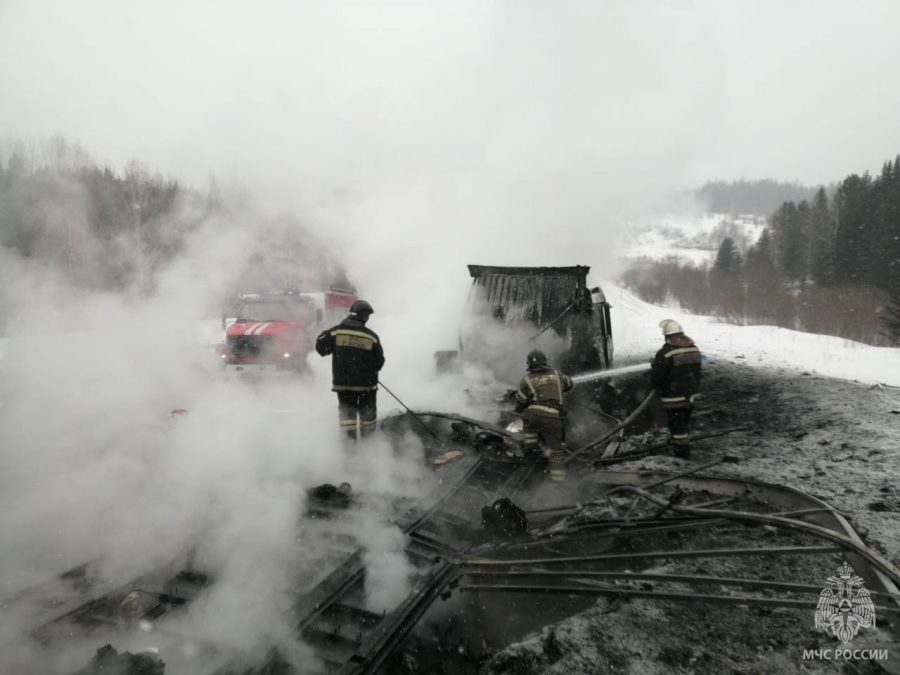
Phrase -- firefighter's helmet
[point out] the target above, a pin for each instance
(361, 309)
(670, 326)
(535, 359)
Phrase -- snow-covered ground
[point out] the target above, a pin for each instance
(817, 419)
(836, 440)
(800, 410)
(636, 332)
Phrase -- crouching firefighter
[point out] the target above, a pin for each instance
(356, 359)
(541, 397)
(675, 371)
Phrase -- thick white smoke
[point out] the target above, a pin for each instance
(411, 140)
(96, 469)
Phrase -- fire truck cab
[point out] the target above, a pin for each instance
(274, 332)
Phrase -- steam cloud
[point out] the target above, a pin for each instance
(408, 139)
(95, 469)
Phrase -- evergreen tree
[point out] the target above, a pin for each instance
(885, 234)
(726, 282)
(761, 256)
(790, 225)
(891, 320)
(821, 245)
(800, 243)
(853, 245)
(728, 260)
(846, 236)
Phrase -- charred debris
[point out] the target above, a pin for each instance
(496, 551)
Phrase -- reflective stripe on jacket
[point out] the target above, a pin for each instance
(356, 355)
(543, 391)
(676, 371)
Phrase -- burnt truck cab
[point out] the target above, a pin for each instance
(275, 332)
(551, 308)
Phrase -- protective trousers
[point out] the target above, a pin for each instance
(548, 430)
(679, 428)
(357, 404)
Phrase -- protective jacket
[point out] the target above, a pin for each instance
(356, 358)
(676, 371)
(542, 391)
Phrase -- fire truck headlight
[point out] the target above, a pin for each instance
(287, 355)
(223, 355)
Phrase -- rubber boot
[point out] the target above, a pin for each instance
(557, 466)
(367, 427)
(681, 450)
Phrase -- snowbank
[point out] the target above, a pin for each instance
(637, 335)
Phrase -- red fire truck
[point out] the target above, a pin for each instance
(274, 332)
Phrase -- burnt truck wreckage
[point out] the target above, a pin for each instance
(539, 301)
(497, 553)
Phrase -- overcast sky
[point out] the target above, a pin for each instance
(328, 94)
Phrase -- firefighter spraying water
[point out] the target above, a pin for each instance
(596, 375)
(357, 357)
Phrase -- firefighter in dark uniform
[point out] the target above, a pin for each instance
(675, 371)
(541, 397)
(356, 358)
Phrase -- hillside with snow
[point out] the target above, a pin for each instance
(690, 239)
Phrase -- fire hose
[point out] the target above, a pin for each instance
(621, 425)
(416, 417)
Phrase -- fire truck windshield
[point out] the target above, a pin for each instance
(293, 310)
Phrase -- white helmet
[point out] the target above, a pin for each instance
(670, 326)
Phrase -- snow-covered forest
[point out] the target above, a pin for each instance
(824, 263)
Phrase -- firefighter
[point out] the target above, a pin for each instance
(356, 358)
(675, 371)
(541, 397)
